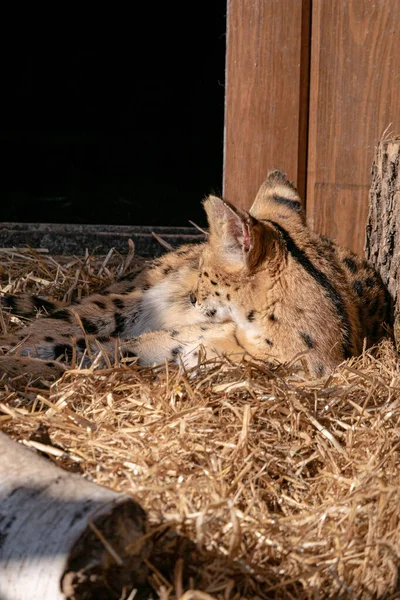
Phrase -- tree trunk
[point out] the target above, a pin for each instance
(62, 536)
(383, 225)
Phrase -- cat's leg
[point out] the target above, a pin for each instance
(185, 345)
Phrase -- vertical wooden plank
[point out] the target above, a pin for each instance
(354, 96)
(266, 94)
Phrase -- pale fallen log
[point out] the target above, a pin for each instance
(62, 536)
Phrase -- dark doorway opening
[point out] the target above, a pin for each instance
(121, 127)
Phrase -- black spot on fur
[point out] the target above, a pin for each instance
(358, 288)
(175, 351)
(217, 294)
(251, 315)
(375, 329)
(119, 324)
(307, 339)
(204, 328)
(350, 264)
(373, 308)
(9, 302)
(104, 292)
(174, 333)
(50, 363)
(63, 351)
(144, 288)
(129, 354)
(320, 370)
(81, 343)
(213, 282)
(131, 276)
(49, 338)
(205, 274)
(131, 319)
(370, 282)
(39, 303)
(328, 243)
(62, 315)
(129, 289)
(89, 326)
(322, 280)
(272, 318)
(211, 313)
(228, 297)
(366, 265)
(100, 304)
(269, 342)
(293, 204)
(167, 270)
(118, 303)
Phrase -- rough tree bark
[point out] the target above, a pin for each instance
(62, 536)
(383, 226)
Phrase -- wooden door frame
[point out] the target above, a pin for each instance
(266, 114)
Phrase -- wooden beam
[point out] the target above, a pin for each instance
(266, 94)
(354, 97)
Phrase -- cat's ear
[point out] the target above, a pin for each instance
(277, 194)
(230, 224)
(237, 238)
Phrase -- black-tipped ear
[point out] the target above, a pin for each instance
(279, 194)
(279, 178)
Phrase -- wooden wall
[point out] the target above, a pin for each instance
(311, 87)
(266, 93)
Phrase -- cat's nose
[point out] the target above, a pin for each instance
(192, 298)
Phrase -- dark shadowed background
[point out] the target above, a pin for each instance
(118, 123)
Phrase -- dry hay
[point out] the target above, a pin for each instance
(288, 487)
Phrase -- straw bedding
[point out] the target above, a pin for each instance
(267, 484)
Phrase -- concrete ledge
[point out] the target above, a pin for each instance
(74, 239)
